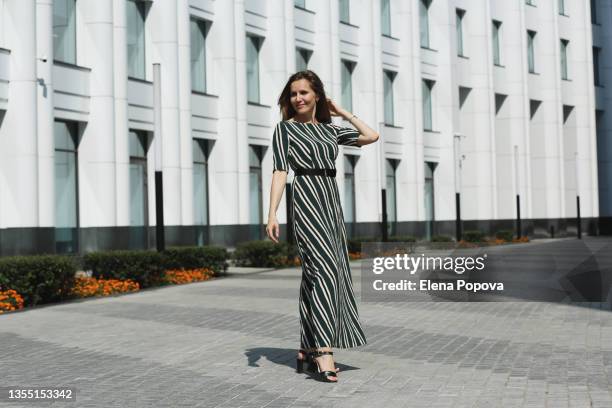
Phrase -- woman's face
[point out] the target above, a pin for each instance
(303, 98)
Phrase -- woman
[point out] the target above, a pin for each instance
(307, 141)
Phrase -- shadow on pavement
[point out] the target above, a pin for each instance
(281, 356)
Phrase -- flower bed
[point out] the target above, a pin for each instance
(180, 277)
(10, 300)
(88, 287)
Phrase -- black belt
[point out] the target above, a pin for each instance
(315, 172)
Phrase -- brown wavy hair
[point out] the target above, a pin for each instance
(322, 113)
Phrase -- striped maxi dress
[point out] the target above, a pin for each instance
(328, 313)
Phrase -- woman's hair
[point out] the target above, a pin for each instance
(322, 113)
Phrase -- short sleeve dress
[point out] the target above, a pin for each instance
(328, 312)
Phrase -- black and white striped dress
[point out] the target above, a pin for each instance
(328, 313)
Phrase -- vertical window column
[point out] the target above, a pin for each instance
(200, 187)
(136, 38)
(385, 17)
(346, 79)
(198, 29)
(253, 45)
(139, 209)
(64, 31)
(424, 22)
(345, 11)
(255, 190)
(388, 78)
(564, 70)
(531, 51)
(391, 187)
(430, 215)
(496, 42)
(596, 75)
(66, 187)
(459, 14)
(427, 87)
(349, 192)
(302, 57)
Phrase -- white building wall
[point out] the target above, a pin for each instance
(98, 94)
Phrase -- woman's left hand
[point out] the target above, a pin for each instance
(334, 109)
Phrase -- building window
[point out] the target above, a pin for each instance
(198, 30)
(347, 84)
(255, 186)
(138, 142)
(64, 31)
(596, 54)
(427, 87)
(300, 3)
(388, 78)
(562, 7)
(349, 187)
(430, 214)
(594, 11)
(345, 11)
(66, 187)
(302, 57)
(530, 2)
(496, 42)
(564, 70)
(200, 187)
(531, 51)
(385, 15)
(136, 39)
(459, 25)
(253, 46)
(424, 22)
(391, 187)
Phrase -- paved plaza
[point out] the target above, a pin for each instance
(231, 342)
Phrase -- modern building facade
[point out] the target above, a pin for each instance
(490, 99)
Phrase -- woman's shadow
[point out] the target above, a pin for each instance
(282, 356)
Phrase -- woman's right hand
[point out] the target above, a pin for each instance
(273, 229)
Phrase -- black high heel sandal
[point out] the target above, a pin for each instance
(299, 362)
(315, 370)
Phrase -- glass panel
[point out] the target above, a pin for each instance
(424, 22)
(135, 39)
(347, 86)
(349, 197)
(530, 51)
(391, 204)
(594, 11)
(564, 59)
(561, 7)
(596, 51)
(138, 194)
(65, 185)
(496, 53)
(300, 3)
(198, 55)
(137, 141)
(254, 196)
(252, 54)
(385, 13)
(388, 97)
(427, 112)
(344, 10)
(200, 183)
(64, 30)
(429, 200)
(459, 26)
(301, 59)
(64, 135)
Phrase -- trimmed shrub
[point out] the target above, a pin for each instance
(188, 258)
(402, 238)
(506, 235)
(473, 236)
(263, 254)
(144, 267)
(38, 279)
(441, 238)
(354, 244)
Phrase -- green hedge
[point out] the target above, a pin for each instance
(506, 235)
(263, 254)
(144, 267)
(214, 258)
(474, 236)
(39, 279)
(441, 238)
